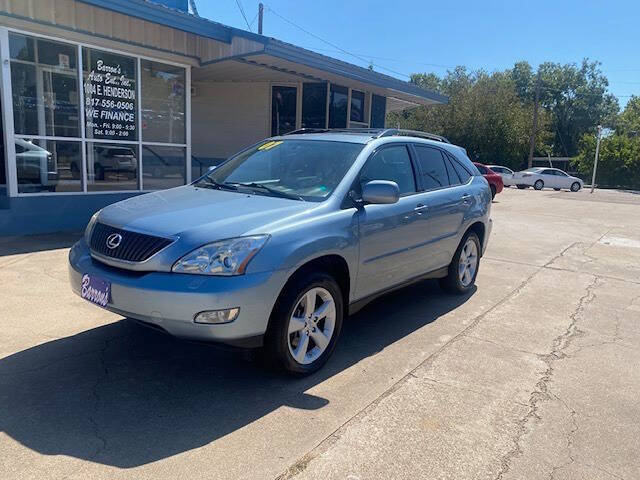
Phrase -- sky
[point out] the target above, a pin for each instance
(410, 36)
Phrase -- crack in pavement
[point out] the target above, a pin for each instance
(301, 464)
(541, 391)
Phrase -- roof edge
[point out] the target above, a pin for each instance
(287, 51)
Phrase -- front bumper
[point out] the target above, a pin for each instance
(171, 300)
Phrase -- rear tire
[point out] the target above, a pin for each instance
(493, 192)
(460, 278)
(295, 341)
(575, 186)
(539, 185)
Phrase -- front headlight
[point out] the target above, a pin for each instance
(226, 257)
(89, 229)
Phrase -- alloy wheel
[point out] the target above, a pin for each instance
(468, 263)
(311, 326)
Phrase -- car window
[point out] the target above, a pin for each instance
(393, 164)
(497, 169)
(560, 173)
(310, 169)
(462, 172)
(482, 169)
(547, 172)
(454, 179)
(432, 167)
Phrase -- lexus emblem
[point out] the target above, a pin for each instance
(113, 240)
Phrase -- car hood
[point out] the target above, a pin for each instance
(203, 213)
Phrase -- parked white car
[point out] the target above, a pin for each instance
(506, 173)
(543, 177)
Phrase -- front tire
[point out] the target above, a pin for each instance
(464, 266)
(305, 324)
(575, 186)
(539, 185)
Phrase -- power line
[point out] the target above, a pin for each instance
(342, 50)
(243, 15)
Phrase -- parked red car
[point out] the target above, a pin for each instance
(495, 180)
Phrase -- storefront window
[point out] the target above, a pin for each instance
(378, 111)
(163, 102)
(314, 105)
(112, 166)
(162, 167)
(48, 166)
(45, 87)
(47, 94)
(357, 106)
(283, 109)
(338, 106)
(111, 108)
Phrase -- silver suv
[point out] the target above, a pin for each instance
(283, 240)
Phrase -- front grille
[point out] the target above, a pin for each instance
(134, 247)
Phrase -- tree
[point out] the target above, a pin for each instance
(575, 96)
(485, 114)
(619, 159)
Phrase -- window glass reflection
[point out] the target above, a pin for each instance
(45, 87)
(163, 102)
(162, 167)
(48, 166)
(112, 167)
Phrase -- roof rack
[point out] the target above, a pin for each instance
(394, 132)
(374, 132)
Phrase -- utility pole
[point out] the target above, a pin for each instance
(532, 139)
(260, 14)
(595, 162)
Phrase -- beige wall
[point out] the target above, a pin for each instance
(226, 117)
(123, 32)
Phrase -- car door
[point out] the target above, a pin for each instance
(386, 232)
(562, 179)
(447, 198)
(549, 178)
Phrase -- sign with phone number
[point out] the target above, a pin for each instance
(110, 103)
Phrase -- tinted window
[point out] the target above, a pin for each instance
(338, 107)
(547, 172)
(283, 110)
(357, 106)
(314, 105)
(454, 179)
(482, 169)
(460, 170)
(432, 168)
(378, 111)
(391, 163)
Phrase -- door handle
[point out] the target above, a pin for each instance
(420, 208)
(466, 198)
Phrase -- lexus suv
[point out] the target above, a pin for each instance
(278, 244)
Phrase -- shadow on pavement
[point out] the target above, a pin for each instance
(124, 395)
(36, 243)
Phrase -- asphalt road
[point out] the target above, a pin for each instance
(534, 375)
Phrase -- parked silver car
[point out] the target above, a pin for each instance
(543, 177)
(279, 243)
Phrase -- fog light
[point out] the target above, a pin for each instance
(217, 316)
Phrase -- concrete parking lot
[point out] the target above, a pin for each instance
(534, 375)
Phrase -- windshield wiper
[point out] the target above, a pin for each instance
(274, 191)
(211, 183)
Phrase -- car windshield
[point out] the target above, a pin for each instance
(297, 169)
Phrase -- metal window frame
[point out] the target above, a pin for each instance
(10, 136)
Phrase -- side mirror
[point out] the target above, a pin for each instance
(211, 168)
(380, 192)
